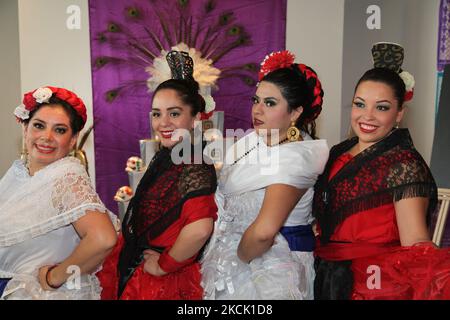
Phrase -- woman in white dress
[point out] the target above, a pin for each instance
(54, 229)
(262, 246)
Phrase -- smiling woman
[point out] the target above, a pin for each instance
(48, 137)
(175, 107)
(48, 208)
(377, 107)
(373, 202)
(171, 216)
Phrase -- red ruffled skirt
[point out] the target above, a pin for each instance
(183, 284)
(420, 272)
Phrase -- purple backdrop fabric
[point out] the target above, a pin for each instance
(443, 60)
(120, 124)
(444, 35)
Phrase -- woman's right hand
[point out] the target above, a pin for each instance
(44, 276)
(151, 264)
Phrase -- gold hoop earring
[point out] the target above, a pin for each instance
(293, 134)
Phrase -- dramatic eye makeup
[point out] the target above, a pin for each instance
(270, 102)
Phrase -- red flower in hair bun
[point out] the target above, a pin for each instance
(317, 91)
(275, 61)
(409, 95)
(285, 59)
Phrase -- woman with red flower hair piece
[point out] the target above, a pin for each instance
(262, 246)
(373, 202)
(54, 229)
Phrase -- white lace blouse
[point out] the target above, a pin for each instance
(36, 216)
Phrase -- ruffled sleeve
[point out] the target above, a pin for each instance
(55, 196)
(199, 208)
(73, 195)
(74, 190)
(297, 164)
(300, 164)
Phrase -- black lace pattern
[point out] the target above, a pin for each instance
(388, 171)
(158, 203)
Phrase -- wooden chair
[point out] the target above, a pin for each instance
(444, 206)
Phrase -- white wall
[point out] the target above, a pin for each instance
(10, 133)
(414, 25)
(51, 54)
(421, 36)
(315, 35)
(358, 41)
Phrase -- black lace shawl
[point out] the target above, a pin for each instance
(386, 172)
(158, 203)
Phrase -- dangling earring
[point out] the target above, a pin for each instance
(293, 134)
(397, 124)
(24, 152)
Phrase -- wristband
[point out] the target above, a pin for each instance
(46, 278)
(169, 264)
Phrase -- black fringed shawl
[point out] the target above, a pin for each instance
(158, 203)
(386, 172)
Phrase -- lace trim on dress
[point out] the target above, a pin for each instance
(49, 225)
(55, 196)
(20, 170)
(25, 286)
(6, 275)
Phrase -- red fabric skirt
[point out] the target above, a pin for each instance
(419, 272)
(183, 284)
(393, 272)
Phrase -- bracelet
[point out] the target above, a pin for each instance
(46, 278)
(169, 264)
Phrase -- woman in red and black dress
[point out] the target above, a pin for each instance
(172, 214)
(372, 203)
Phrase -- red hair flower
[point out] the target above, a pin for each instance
(409, 95)
(409, 81)
(274, 61)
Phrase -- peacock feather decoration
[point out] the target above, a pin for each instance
(208, 36)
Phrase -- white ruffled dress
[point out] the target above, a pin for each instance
(279, 273)
(36, 216)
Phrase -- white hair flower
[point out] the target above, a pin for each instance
(210, 104)
(21, 112)
(408, 79)
(42, 95)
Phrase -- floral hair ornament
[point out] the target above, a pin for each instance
(274, 61)
(391, 55)
(409, 81)
(285, 59)
(33, 99)
(317, 101)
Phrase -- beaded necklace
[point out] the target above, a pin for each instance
(250, 150)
